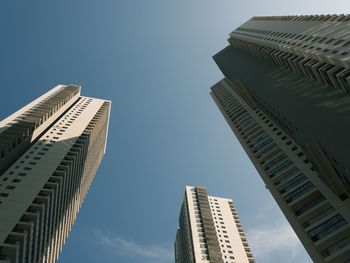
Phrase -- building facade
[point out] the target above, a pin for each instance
(209, 230)
(286, 97)
(50, 151)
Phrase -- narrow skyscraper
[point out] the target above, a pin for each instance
(210, 230)
(50, 152)
(286, 97)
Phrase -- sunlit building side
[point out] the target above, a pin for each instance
(50, 152)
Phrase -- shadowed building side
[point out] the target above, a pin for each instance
(314, 210)
(286, 97)
(298, 70)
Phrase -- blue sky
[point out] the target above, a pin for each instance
(153, 60)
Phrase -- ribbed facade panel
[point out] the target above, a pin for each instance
(318, 48)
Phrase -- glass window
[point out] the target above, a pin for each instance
(263, 141)
(236, 114)
(275, 161)
(319, 216)
(300, 191)
(270, 156)
(311, 204)
(267, 149)
(256, 137)
(327, 228)
(282, 166)
(337, 246)
(245, 126)
(300, 177)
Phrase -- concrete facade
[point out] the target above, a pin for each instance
(210, 231)
(298, 69)
(286, 97)
(59, 141)
(317, 215)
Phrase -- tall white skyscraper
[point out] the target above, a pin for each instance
(49, 154)
(286, 97)
(210, 230)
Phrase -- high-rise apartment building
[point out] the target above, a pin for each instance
(49, 154)
(210, 230)
(286, 97)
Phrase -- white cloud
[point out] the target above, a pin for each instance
(272, 242)
(156, 253)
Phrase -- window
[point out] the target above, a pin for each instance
(300, 191)
(346, 44)
(247, 124)
(261, 144)
(337, 246)
(309, 205)
(292, 183)
(282, 166)
(275, 161)
(324, 213)
(327, 228)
